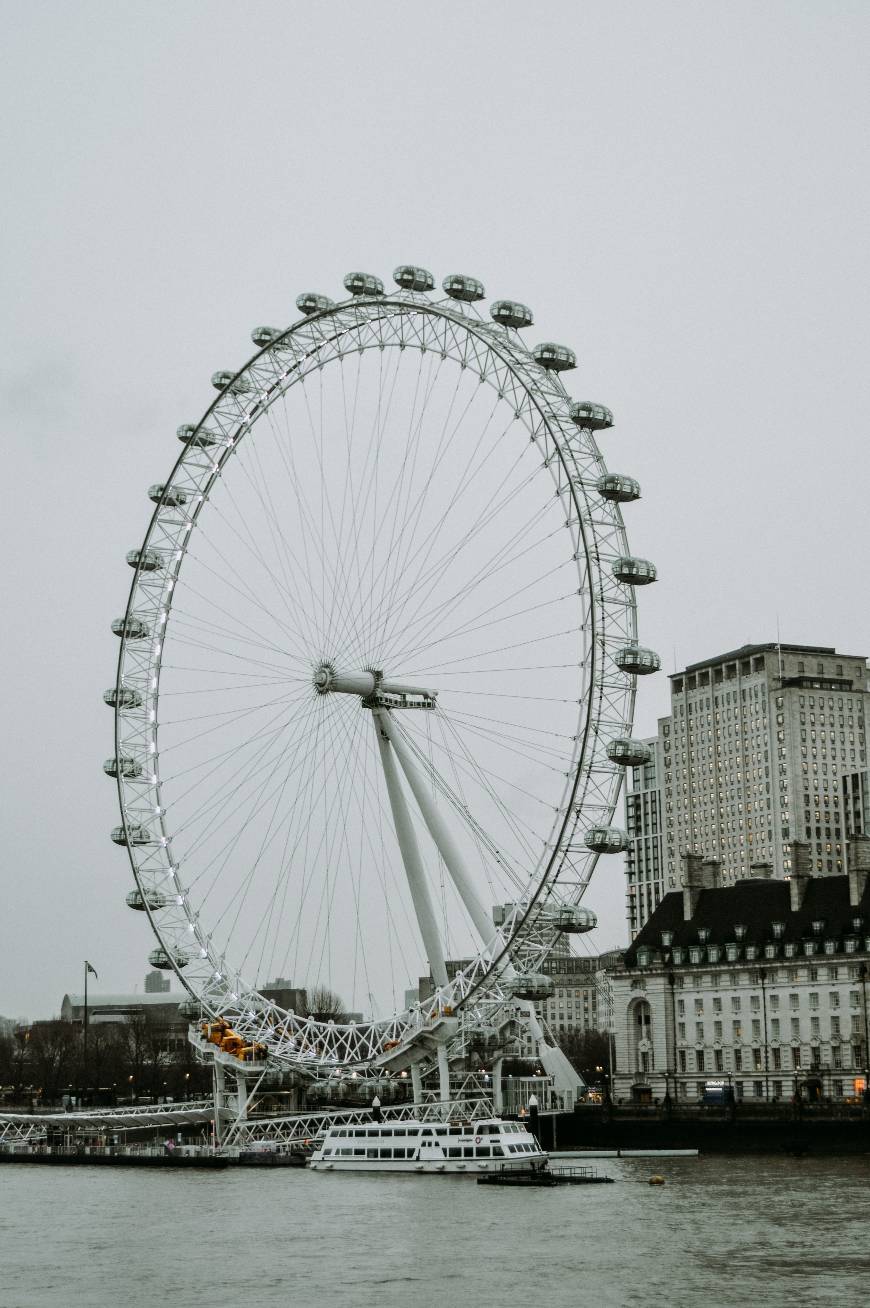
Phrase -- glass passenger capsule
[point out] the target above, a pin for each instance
(411, 278)
(228, 381)
(634, 572)
(556, 358)
(460, 287)
(139, 835)
(124, 765)
(606, 840)
(618, 488)
(200, 437)
(627, 752)
(131, 628)
(125, 698)
(637, 660)
(510, 313)
(145, 560)
(170, 496)
(150, 899)
(594, 417)
(363, 284)
(263, 336)
(310, 302)
(574, 919)
(531, 985)
(161, 959)
(191, 1009)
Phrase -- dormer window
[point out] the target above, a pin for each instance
(713, 953)
(739, 931)
(790, 948)
(644, 957)
(777, 928)
(732, 953)
(830, 946)
(695, 952)
(703, 935)
(851, 944)
(679, 954)
(770, 950)
(667, 938)
(751, 952)
(857, 923)
(809, 948)
(818, 926)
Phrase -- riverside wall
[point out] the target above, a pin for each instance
(793, 1129)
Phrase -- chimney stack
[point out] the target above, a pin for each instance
(760, 871)
(801, 871)
(693, 882)
(858, 867)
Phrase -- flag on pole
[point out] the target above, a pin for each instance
(93, 970)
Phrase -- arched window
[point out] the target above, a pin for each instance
(640, 1025)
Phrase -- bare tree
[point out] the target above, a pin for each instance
(325, 1005)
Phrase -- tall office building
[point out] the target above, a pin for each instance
(156, 983)
(754, 755)
(644, 858)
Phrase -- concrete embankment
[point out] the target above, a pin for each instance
(738, 1130)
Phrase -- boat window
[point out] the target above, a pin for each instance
(371, 1153)
(385, 1153)
(498, 1151)
(359, 1153)
(468, 1151)
(454, 1152)
(427, 1130)
(484, 1151)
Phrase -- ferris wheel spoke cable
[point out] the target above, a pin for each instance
(413, 511)
(188, 589)
(441, 567)
(490, 653)
(246, 593)
(466, 630)
(421, 555)
(229, 814)
(290, 601)
(307, 618)
(491, 568)
(404, 490)
(250, 598)
(192, 621)
(268, 837)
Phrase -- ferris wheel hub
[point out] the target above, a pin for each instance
(373, 688)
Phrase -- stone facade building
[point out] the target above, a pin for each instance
(761, 984)
(755, 754)
(644, 856)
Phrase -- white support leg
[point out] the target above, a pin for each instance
(497, 1097)
(416, 1083)
(440, 833)
(410, 852)
(443, 1075)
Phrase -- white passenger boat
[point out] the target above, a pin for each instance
(412, 1146)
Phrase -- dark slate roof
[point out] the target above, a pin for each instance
(755, 904)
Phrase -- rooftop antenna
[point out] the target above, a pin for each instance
(778, 647)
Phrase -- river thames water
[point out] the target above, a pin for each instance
(721, 1232)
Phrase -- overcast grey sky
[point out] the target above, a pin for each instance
(679, 190)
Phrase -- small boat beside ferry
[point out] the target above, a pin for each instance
(414, 1146)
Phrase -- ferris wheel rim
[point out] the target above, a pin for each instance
(494, 340)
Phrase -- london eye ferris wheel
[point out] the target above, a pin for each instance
(377, 673)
